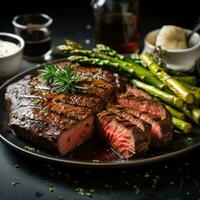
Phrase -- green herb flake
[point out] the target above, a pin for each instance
(88, 194)
(36, 101)
(32, 149)
(155, 181)
(83, 192)
(16, 182)
(96, 161)
(45, 112)
(32, 88)
(50, 187)
(59, 197)
(92, 190)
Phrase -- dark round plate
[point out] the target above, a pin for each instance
(182, 143)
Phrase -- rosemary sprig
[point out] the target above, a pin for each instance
(61, 79)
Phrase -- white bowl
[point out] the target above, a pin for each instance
(181, 60)
(11, 64)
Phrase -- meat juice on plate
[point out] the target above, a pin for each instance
(119, 31)
(37, 42)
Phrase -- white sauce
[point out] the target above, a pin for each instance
(7, 48)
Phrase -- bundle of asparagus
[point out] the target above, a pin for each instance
(176, 90)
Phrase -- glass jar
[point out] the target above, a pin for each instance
(35, 29)
(116, 24)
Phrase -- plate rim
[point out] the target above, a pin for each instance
(87, 164)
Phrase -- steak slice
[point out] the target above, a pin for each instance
(138, 92)
(153, 113)
(124, 136)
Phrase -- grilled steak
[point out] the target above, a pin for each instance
(151, 112)
(138, 92)
(61, 121)
(123, 135)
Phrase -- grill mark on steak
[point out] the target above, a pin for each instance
(94, 103)
(123, 136)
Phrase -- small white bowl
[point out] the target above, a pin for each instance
(181, 60)
(11, 64)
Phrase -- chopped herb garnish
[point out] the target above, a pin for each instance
(88, 194)
(32, 149)
(36, 101)
(146, 175)
(98, 74)
(15, 182)
(61, 79)
(31, 88)
(92, 190)
(96, 161)
(82, 192)
(50, 187)
(155, 181)
(45, 112)
(59, 197)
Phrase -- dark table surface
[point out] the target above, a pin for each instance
(22, 178)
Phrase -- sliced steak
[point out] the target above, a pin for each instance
(153, 113)
(124, 137)
(142, 125)
(138, 92)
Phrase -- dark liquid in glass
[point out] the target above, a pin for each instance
(37, 42)
(119, 31)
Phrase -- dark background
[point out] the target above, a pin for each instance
(70, 15)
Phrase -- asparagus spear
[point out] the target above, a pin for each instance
(108, 51)
(165, 97)
(175, 113)
(191, 80)
(195, 90)
(181, 125)
(169, 81)
(193, 113)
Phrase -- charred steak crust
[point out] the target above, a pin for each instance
(59, 122)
